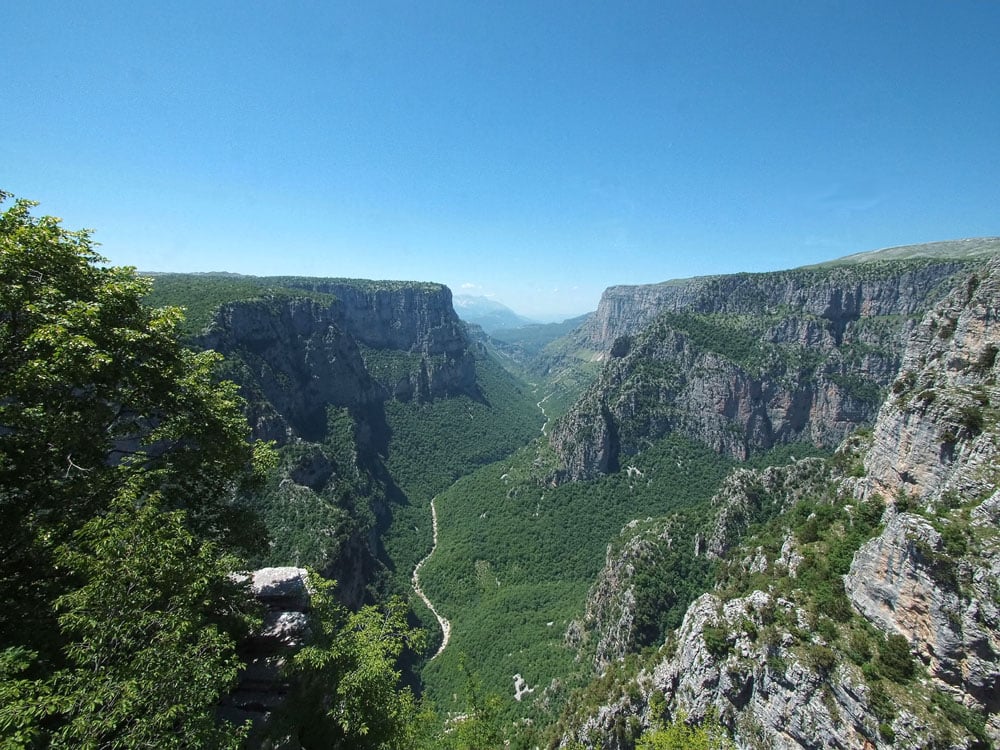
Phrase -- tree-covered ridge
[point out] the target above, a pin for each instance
(121, 461)
(201, 294)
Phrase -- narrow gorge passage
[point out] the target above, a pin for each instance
(541, 407)
(415, 580)
(445, 625)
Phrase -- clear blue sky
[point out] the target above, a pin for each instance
(534, 151)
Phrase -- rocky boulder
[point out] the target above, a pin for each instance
(262, 688)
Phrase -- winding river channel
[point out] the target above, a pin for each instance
(443, 622)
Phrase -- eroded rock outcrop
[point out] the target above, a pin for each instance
(611, 605)
(353, 344)
(767, 692)
(906, 582)
(933, 578)
(745, 497)
(763, 663)
(742, 363)
(936, 432)
(292, 357)
(263, 688)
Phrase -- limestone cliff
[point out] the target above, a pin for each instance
(906, 653)
(293, 357)
(413, 342)
(742, 363)
(933, 577)
(836, 296)
(745, 498)
(935, 432)
(372, 341)
(262, 689)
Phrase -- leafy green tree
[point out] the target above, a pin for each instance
(679, 735)
(348, 695)
(120, 455)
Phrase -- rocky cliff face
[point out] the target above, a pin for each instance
(933, 577)
(376, 340)
(906, 582)
(769, 693)
(837, 296)
(293, 357)
(746, 497)
(934, 433)
(783, 665)
(317, 360)
(742, 363)
(262, 690)
(413, 342)
(611, 605)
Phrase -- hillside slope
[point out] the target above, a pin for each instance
(377, 399)
(828, 626)
(742, 363)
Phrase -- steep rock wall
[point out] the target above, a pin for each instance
(838, 295)
(415, 319)
(742, 363)
(935, 433)
(931, 577)
(296, 358)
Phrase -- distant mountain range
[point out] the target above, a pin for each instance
(488, 313)
(974, 247)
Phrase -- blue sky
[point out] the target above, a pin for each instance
(533, 151)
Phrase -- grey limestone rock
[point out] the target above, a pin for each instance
(263, 688)
(829, 343)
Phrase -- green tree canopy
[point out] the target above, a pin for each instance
(120, 456)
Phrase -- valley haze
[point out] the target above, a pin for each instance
(750, 509)
(535, 153)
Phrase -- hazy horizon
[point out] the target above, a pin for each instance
(535, 153)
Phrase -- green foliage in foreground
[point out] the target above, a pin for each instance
(119, 455)
(120, 460)
(347, 692)
(679, 735)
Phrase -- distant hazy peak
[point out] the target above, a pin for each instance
(488, 313)
(972, 247)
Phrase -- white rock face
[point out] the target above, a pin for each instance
(282, 588)
(936, 439)
(935, 432)
(896, 583)
(262, 687)
(521, 688)
(764, 692)
(936, 447)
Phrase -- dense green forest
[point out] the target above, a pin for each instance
(121, 459)
(131, 492)
(516, 557)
